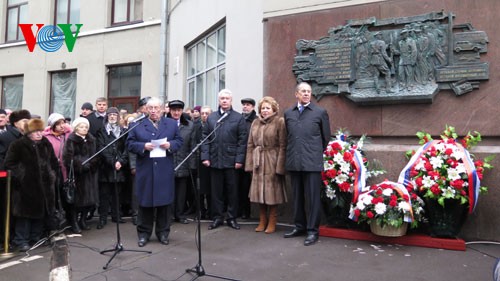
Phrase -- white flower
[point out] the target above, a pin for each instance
(449, 192)
(461, 168)
(367, 199)
(453, 174)
(428, 182)
(420, 165)
(387, 192)
(345, 167)
(360, 205)
(327, 166)
(436, 162)
(330, 193)
(380, 208)
(338, 158)
(457, 154)
(341, 178)
(404, 206)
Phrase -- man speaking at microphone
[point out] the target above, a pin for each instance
(224, 152)
(154, 141)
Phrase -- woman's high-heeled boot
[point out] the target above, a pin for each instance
(262, 218)
(271, 226)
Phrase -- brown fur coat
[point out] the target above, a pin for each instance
(265, 158)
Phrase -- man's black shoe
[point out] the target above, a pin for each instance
(142, 241)
(163, 239)
(233, 224)
(119, 220)
(311, 239)
(216, 223)
(294, 233)
(182, 220)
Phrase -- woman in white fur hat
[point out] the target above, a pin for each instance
(79, 147)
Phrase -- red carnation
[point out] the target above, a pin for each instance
(448, 151)
(336, 146)
(393, 203)
(347, 156)
(370, 215)
(344, 186)
(357, 212)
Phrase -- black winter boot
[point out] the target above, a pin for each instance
(83, 221)
(75, 228)
(102, 222)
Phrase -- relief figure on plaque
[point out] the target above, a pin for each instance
(436, 37)
(407, 60)
(422, 66)
(362, 59)
(381, 62)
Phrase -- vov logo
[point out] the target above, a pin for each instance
(50, 37)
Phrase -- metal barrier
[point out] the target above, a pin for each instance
(6, 253)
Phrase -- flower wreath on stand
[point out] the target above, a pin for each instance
(385, 204)
(443, 171)
(344, 176)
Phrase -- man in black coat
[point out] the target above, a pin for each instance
(96, 118)
(245, 178)
(224, 152)
(308, 129)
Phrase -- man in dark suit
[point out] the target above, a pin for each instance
(308, 129)
(224, 153)
(154, 176)
(245, 178)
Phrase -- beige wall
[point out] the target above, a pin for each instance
(97, 46)
(287, 7)
(244, 44)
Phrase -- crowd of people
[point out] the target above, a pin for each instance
(160, 158)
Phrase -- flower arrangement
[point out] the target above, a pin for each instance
(444, 169)
(386, 203)
(345, 168)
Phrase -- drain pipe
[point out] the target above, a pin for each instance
(164, 50)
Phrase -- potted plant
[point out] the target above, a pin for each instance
(344, 177)
(386, 207)
(448, 177)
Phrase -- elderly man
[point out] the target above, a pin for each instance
(245, 178)
(224, 152)
(308, 129)
(154, 141)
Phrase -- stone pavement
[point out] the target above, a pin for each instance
(247, 255)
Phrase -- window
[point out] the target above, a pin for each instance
(17, 12)
(67, 11)
(124, 87)
(126, 11)
(63, 93)
(206, 71)
(12, 92)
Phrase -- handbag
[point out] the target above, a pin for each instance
(57, 217)
(69, 186)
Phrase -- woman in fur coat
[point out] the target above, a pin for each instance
(79, 147)
(265, 158)
(34, 166)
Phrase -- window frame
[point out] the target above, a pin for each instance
(2, 90)
(18, 33)
(51, 95)
(116, 100)
(128, 20)
(219, 66)
(68, 13)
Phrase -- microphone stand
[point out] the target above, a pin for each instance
(118, 246)
(198, 268)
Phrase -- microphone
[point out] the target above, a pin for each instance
(222, 117)
(145, 115)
